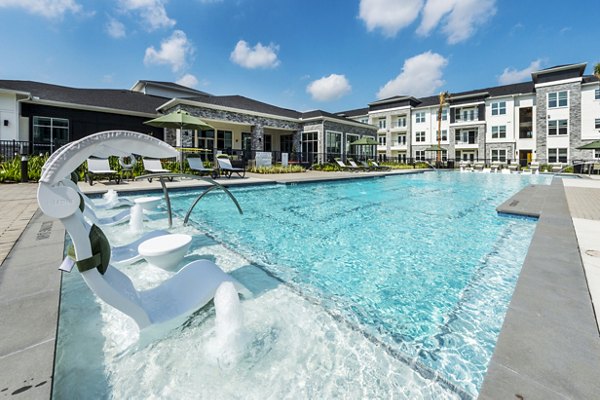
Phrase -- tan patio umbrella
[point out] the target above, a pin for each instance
(181, 120)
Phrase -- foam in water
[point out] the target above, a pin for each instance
(136, 222)
(227, 347)
(111, 197)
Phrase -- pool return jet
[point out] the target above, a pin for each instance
(166, 305)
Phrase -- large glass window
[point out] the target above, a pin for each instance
(499, 132)
(420, 155)
(350, 137)
(466, 114)
(400, 122)
(498, 155)
(334, 143)
(444, 115)
(558, 127)
(382, 140)
(597, 123)
(49, 133)
(443, 135)
(558, 99)
(499, 108)
(382, 123)
(224, 141)
(419, 136)
(206, 139)
(419, 117)
(310, 146)
(557, 155)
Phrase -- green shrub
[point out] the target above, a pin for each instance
(10, 171)
(395, 165)
(276, 169)
(325, 167)
(569, 169)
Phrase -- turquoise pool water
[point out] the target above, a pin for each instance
(422, 263)
(381, 288)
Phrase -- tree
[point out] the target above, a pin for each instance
(443, 98)
(597, 70)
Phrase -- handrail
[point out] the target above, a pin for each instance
(216, 185)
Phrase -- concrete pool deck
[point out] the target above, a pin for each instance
(30, 291)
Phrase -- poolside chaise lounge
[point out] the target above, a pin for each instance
(227, 169)
(377, 166)
(166, 305)
(496, 166)
(367, 167)
(478, 166)
(557, 167)
(355, 166)
(345, 167)
(154, 166)
(513, 167)
(100, 167)
(196, 165)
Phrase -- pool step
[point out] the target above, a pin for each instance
(528, 202)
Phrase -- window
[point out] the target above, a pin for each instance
(557, 155)
(597, 154)
(419, 136)
(401, 140)
(444, 115)
(400, 122)
(49, 133)
(382, 139)
(558, 99)
(557, 127)
(597, 123)
(444, 136)
(364, 120)
(499, 108)
(597, 94)
(419, 117)
(499, 132)
(465, 136)
(466, 114)
(382, 123)
(334, 143)
(268, 143)
(499, 155)
(310, 146)
(224, 140)
(420, 155)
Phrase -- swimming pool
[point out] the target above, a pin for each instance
(374, 287)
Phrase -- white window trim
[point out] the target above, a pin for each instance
(557, 128)
(557, 99)
(557, 154)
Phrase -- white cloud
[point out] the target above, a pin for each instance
(174, 51)
(152, 12)
(421, 76)
(115, 28)
(459, 18)
(258, 56)
(329, 88)
(188, 80)
(45, 8)
(389, 15)
(511, 75)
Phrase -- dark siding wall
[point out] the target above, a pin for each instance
(84, 123)
(481, 111)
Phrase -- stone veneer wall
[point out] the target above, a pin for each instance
(508, 146)
(258, 123)
(574, 119)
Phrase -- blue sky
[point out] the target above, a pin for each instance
(302, 54)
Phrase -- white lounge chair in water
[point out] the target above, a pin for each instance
(534, 166)
(164, 306)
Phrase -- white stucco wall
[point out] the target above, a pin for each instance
(590, 111)
(9, 115)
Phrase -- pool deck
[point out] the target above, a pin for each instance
(549, 347)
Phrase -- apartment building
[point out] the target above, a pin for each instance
(545, 120)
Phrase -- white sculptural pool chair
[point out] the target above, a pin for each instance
(165, 305)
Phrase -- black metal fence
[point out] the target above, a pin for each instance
(15, 148)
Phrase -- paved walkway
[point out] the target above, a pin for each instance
(18, 205)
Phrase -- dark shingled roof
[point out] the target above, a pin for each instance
(354, 113)
(244, 103)
(175, 86)
(119, 99)
(323, 114)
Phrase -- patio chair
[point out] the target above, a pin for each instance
(154, 166)
(196, 165)
(377, 166)
(343, 165)
(355, 166)
(366, 166)
(227, 169)
(100, 167)
(557, 167)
